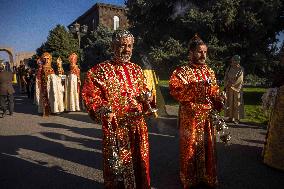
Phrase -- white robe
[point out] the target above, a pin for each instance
(55, 91)
(72, 97)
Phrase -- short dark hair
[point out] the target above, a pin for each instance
(195, 42)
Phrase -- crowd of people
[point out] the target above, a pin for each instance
(119, 94)
(25, 77)
(56, 92)
(51, 90)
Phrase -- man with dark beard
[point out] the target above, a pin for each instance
(194, 86)
(113, 93)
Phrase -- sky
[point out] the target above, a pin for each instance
(24, 24)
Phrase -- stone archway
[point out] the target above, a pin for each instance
(10, 53)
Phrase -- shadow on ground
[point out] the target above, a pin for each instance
(21, 174)
(90, 132)
(240, 166)
(93, 144)
(25, 105)
(34, 143)
(83, 117)
(164, 153)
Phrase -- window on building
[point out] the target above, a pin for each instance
(115, 22)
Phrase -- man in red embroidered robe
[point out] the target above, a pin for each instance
(194, 86)
(112, 93)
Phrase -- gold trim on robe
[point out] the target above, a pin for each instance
(117, 85)
(195, 87)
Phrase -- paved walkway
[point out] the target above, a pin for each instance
(65, 152)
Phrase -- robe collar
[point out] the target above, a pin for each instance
(116, 61)
(197, 66)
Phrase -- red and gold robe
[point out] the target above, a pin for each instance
(45, 73)
(195, 87)
(117, 85)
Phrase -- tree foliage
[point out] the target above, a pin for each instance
(168, 54)
(97, 47)
(244, 27)
(60, 43)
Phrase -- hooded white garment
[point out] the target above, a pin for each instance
(72, 97)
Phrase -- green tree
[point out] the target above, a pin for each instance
(60, 43)
(97, 47)
(32, 62)
(245, 27)
(167, 55)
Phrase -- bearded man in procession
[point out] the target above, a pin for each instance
(113, 93)
(194, 86)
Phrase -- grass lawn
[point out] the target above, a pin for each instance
(253, 110)
(252, 100)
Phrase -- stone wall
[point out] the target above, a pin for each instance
(107, 13)
(23, 56)
(103, 14)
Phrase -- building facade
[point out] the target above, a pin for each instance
(24, 57)
(110, 16)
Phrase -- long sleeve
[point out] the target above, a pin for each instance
(179, 87)
(93, 95)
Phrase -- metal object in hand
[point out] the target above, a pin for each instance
(221, 127)
(150, 110)
(115, 162)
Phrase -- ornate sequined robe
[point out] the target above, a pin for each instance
(118, 85)
(72, 84)
(194, 86)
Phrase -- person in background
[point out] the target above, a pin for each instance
(113, 93)
(27, 81)
(60, 70)
(6, 91)
(73, 83)
(32, 83)
(153, 85)
(21, 73)
(60, 84)
(194, 86)
(14, 75)
(273, 151)
(49, 93)
(37, 94)
(234, 79)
